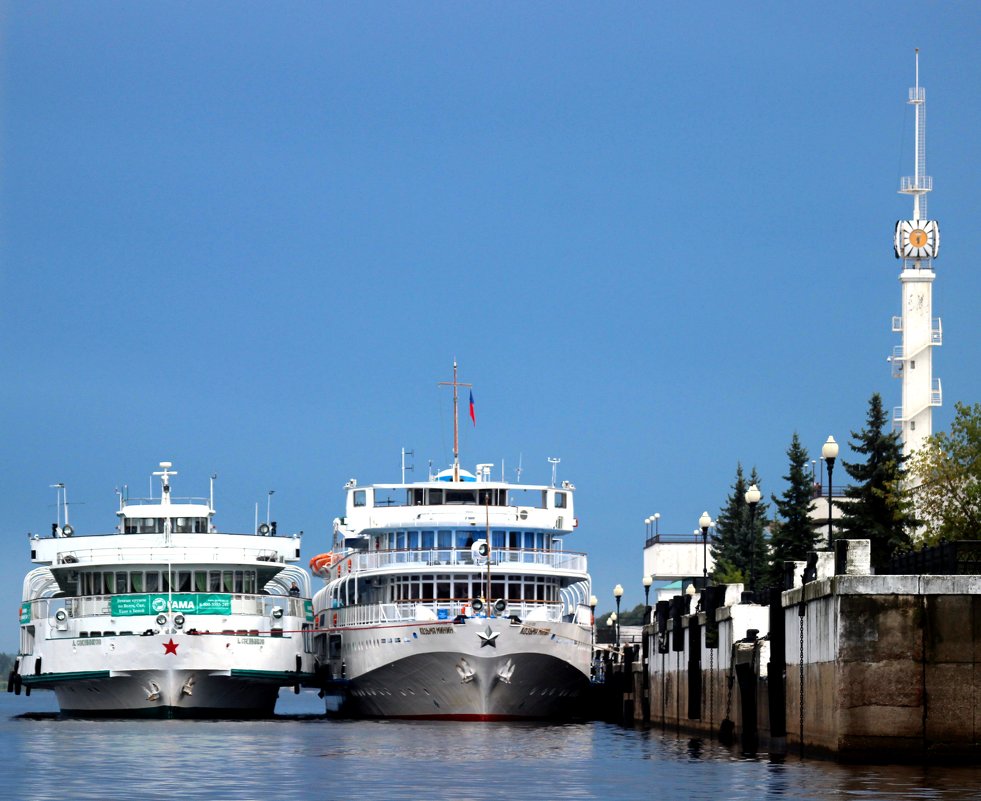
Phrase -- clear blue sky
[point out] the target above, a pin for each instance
(251, 239)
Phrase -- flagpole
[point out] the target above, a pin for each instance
(456, 420)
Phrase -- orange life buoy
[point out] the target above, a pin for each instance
(335, 618)
(348, 565)
(321, 561)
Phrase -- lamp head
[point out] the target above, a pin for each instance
(753, 495)
(830, 449)
(618, 591)
(704, 521)
(648, 580)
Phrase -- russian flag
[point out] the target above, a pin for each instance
(473, 416)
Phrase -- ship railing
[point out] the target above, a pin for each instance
(439, 611)
(101, 605)
(463, 557)
(174, 501)
(194, 554)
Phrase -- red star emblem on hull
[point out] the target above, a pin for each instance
(170, 647)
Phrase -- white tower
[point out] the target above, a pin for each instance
(917, 241)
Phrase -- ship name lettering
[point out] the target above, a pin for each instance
(249, 640)
(436, 630)
(534, 630)
(89, 641)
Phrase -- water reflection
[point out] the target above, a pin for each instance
(301, 756)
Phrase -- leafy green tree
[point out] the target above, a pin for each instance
(945, 476)
(877, 506)
(735, 546)
(794, 534)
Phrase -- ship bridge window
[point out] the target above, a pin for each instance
(560, 500)
(416, 497)
(360, 498)
(461, 496)
(435, 497)
(189, 525)
(144, 525)
(492, 497)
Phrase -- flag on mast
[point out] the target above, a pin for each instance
(473, 416)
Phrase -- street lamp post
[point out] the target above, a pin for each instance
(657, 516)
(752, 498)
(648, 580)
(830, 452)
(703, 523)
(618, 594)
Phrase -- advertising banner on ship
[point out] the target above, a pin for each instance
(185, 603)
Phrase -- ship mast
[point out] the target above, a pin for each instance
(456, 420)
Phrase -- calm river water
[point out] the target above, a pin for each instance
(299, 755)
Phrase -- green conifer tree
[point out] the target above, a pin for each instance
(877, 508)
(732, 543)
(795, 534)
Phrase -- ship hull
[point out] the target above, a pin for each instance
(477, 670)
(176, 676)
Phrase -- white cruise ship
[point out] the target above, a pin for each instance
(454, 598)
(165, 616)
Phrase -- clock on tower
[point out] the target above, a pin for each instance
(917, 239)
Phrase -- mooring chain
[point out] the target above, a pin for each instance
(802, 686)
(711, 686)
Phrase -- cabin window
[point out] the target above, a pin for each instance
(360, 497)
(122, 581)
(413, 540)
(214, 581)
(498, 539)
(249, 585)
(428, 540)
(184, 581)
(227, 581)
(461, 589)
(239, 581)
(400, 540)
(136, 582)
(416, 497)
(464, 539)
(445, 539)
(435, 497)
(200, 580)
(442, 590)
(560, 500)
(152, 581)
(514, 539)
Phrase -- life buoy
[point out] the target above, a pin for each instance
(321, 562)
(348, 565)
(335, 619)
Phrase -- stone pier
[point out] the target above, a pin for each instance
(888, 664)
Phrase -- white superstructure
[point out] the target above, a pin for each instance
(917, 242)
(165, 616)
(454, 598)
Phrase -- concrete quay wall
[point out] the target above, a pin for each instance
(890, 669)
